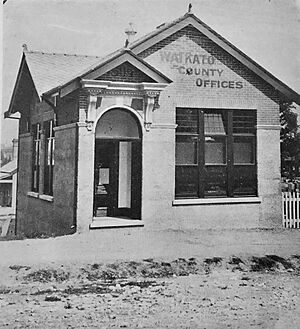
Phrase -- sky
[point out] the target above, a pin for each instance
(266, 30)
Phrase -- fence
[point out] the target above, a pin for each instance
(291, 209)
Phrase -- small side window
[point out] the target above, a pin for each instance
(49, 157)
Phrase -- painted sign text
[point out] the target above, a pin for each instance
(198, 65)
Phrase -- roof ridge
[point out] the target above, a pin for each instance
(60, 54)
(160, 27)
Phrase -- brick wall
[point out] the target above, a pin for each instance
(24, 181)
(37, 214)
(173, 56)
(67, 111)
(184, 91)
(189, 59)
(64, 184)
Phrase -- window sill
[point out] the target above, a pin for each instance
(190, 202)
(44, 197)
(33, 194)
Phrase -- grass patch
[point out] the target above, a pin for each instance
(235, 261)
(269, 263)
(262, 264)
(287, 264)
(214, 260)
(47, 275)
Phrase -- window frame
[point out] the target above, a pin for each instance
(228, 169)
(36, 157)
(49, 146)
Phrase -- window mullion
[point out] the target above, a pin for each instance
(201, 155)
(230, 174)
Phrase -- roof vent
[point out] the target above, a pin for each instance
(25, 48)
(130, 32)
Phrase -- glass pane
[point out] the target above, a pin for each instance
(244, 122)
(242, 153)
(215, 151)
(187, 120)
(186, 179)
(245, 182)
(186, 150)
(49, 151)
(214, 123)
(243, 150)
(215, 181)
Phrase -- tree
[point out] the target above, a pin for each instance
(289, 140)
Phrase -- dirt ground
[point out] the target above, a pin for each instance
(199, 279)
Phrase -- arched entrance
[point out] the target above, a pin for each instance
(118, 165)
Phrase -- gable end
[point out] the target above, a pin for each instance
(214, 50)
(125, 72)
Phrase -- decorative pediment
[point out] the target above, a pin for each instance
(126, 72)
(123, 66)
(148, 91)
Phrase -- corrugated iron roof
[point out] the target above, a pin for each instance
(103, 61)
(8, 169)
(85, 69)
(49, 70)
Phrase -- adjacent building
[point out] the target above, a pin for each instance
(178, 129)
(8, 181)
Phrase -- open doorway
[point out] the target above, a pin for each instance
(117, 177)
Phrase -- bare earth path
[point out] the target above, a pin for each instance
(137, 279)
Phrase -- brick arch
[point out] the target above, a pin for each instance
(138, 119)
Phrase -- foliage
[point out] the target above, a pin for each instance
(290, 138)
(4, 159)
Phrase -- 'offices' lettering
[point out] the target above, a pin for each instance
(219, 84)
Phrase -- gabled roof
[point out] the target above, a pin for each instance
(45, 71)
(165, 30)
(52, 72)
(108, 63)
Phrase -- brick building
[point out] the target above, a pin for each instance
(178, 129)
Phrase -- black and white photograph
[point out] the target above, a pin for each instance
(150, 164)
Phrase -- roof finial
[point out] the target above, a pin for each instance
(190, 8)
(130, 32)
(25, 48)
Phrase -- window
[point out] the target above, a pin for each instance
(49, 157)
(36, 129)
(215, 153)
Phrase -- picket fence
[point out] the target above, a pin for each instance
(291, 209)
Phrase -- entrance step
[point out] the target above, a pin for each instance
(101, 212)
(114, 222)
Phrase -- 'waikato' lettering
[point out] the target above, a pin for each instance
(181, 57)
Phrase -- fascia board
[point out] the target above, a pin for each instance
(67, 89)
(119, 85)
(23, 66)
(120, 60)
(11, 104)
(159, 37)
